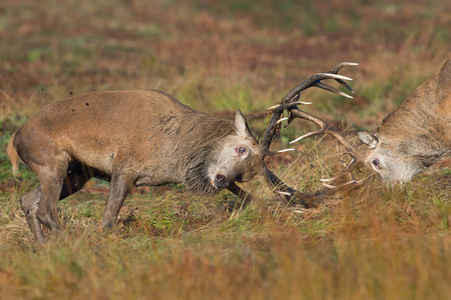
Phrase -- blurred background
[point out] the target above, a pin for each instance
(221, 55)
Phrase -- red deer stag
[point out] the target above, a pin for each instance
(417, 134)
(145, 137)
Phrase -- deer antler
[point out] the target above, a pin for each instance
(357, 157)
(290, 103)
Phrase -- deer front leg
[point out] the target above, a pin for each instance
(119, 189)
(246, 197)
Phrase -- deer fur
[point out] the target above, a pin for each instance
(130, 138)
(417, 134)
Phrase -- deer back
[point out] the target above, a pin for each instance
(145, 132)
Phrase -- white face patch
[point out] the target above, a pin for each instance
(393, 168)
(234, 161)
(237, 156)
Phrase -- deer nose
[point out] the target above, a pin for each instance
(220, 181)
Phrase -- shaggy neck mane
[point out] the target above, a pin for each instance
(197, 179)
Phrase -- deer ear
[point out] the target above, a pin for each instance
(370, 140)
(240, 125)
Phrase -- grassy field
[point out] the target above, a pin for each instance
(218, 56)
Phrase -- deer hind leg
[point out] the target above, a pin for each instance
(47, 210)
(77, 176)
(40, 206)
(30, 203)
(51, 169)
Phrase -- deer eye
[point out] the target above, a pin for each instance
(376, 163)
(240, 151)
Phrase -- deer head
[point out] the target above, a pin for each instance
(416, 135)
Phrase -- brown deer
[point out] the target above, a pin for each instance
(146, 137)
(416, 135)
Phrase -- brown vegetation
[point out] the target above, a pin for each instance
(217, 56)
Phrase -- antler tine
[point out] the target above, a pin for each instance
(287, 105)
(343, 83)
(348, 169)
(324, 128)
(307, 135)
(297, 113)
(338, 67)
(352, 183)
(349, 185)
(334, 90)
(274, 124)
(315, 80)
(357, 157)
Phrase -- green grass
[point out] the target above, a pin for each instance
(217, 57)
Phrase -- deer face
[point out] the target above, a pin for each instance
(237, 158)
(386, 159)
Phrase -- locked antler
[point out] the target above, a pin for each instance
(290, 104)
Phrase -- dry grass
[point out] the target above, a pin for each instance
(217, 56)
(391, 244)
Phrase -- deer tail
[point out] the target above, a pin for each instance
(13, 156)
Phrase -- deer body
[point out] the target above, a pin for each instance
(134, 138)
(130, 138)
(417, 134)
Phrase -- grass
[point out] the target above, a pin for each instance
(218, 56)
